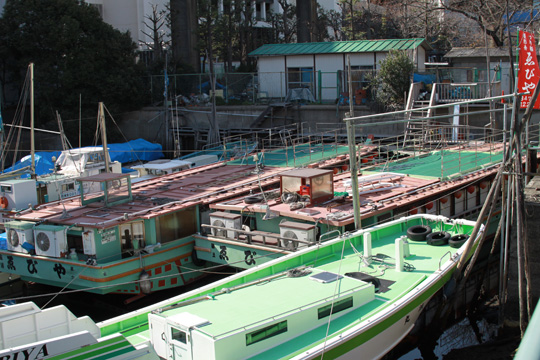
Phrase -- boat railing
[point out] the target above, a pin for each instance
(299, 150)
(257, 237)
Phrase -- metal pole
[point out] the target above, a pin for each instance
(32, 140)
(351, 139)
(104, 137)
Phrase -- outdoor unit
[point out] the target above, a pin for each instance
(296, 231)
(228, 220)
(50, 240)
(18, 233)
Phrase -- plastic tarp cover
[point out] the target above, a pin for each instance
(425, 78)
(43, 162)
(135, 150)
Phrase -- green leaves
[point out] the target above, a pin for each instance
(74, 52)
(393, 79)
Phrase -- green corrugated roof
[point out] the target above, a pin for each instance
(339, 47)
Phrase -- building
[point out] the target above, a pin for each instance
(469, 65)
(130, 15)
(320, 68)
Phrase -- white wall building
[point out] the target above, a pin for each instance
(130, 15)
(321, 67)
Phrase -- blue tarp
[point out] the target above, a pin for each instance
(131, 151)
(3, 241)
(135, 150)
(425, 78)
(43, 162)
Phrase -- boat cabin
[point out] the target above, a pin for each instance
(313, 185)
(220, 331)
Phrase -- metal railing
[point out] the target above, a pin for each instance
(454, 92)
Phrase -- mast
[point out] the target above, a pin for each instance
(32, 146)
(104, 137)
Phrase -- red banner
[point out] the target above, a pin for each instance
(529, 73)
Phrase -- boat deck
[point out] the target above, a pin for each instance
(437, 164)
(167, 193)
(297, 155)
(231, 310)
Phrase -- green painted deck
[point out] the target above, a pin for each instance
(449, 163)
(298, 155)
(263, 303)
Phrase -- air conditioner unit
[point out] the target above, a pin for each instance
(18, 233)
(50, 240)
(227, 220)
(290, 231)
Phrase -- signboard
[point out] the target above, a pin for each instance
(529, 73)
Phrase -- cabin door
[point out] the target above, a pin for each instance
(180, 343)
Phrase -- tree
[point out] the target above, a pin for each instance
(393, 79)
(489, 15)
(75, 54)
(155, 26)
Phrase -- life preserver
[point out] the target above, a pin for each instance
(4, 203)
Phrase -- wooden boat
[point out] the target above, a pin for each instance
(356, 296)
(132, 240)
(314, 205)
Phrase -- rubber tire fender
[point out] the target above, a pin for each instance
(253, 199)
(418, 232)
(438, 238)
(457, 240)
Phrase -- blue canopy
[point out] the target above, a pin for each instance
(135, 150)
(43, 162)
(131, 151)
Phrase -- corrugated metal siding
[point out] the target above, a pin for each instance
(337, 47)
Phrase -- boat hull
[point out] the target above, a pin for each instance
(167, 267)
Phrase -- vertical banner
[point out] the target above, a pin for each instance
(529, 73)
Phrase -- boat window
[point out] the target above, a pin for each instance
(176, 225)
(68, 187)
(178, 335)
(338, 306)
(5, 188)
(266, 332)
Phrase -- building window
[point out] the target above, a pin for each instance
(300, 78)
(266, 332)
(338, 306)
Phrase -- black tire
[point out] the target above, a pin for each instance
(253, 199)
(457, 240)
(195, 259)
(438, 238)
(418, 232)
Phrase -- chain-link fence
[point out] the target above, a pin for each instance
(299, 85)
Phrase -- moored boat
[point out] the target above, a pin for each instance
(356, 295)
(130, 239)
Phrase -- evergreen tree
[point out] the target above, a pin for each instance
(75, 54)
